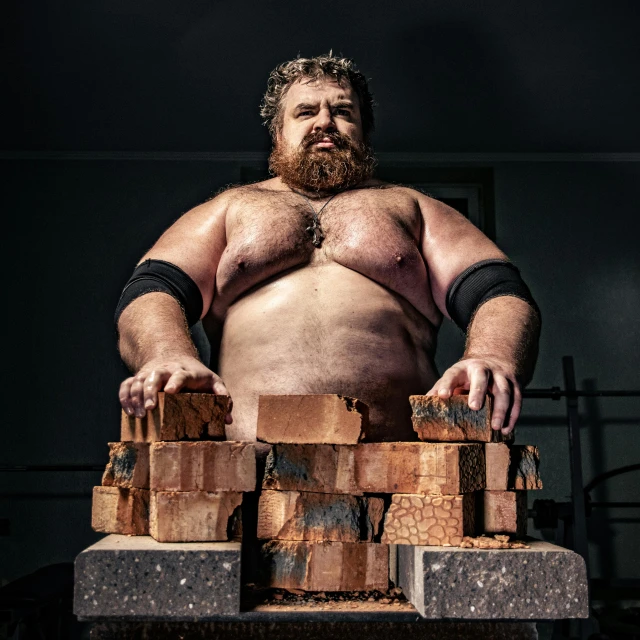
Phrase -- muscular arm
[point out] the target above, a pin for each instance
(153, 326)
(502, 339)
(154, 337)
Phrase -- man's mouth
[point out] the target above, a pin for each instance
(324, 144)
(323, 141)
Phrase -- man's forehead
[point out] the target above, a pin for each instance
(311, 90)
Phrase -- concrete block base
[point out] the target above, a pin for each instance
(545, 582)
(125, 578)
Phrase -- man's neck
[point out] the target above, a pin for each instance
(321, 194)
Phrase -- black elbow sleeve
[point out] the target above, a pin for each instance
(158, 275)
(483, 281)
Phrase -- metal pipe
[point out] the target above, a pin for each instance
(555, 393)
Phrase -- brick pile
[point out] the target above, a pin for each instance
(332, 502)
(510, 470)
(173, 475)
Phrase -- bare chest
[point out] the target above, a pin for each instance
(372, 231)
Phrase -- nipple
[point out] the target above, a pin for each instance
(399, 259)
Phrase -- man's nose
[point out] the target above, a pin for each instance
(324, 121)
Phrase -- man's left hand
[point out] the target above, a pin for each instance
(480, 376)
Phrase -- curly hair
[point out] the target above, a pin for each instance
(318, 68)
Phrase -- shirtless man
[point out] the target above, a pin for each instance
(325, 280)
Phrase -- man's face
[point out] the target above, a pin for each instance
(319, 145)
(318, 107)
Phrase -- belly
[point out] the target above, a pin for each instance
(327, 329)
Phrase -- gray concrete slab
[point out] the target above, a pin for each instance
(545, 582)
(135, 577)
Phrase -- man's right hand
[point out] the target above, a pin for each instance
(140, 392)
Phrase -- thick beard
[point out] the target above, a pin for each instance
(323, 170)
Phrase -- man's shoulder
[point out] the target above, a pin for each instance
(233, 193)
(399, 189)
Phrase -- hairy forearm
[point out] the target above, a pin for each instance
(507, 329)
(153, 326)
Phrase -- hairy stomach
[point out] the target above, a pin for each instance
(327, 329)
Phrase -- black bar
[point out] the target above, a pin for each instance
(555, 393)
(580, 543)
(615, 505)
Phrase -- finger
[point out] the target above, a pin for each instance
(219, 388)
(229, 418)
(136, 393)
(478, 383)
(152, 385)
(501, 391)
(516, 407)
(177, 380)
(124, 397)
(453, 378)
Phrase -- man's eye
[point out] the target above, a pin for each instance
(343, 112)
(304, 113)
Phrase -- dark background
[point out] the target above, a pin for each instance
(119, 116)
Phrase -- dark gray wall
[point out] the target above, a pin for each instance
(449, 76)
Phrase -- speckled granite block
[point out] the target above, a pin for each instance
(128, 578)
(545, 582)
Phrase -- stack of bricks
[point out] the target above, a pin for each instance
(332, 503)
(173, 475)
(323, 534)
(511, 470)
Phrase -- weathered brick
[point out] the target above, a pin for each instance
(203, 466)
(452, 420)
(326, 566)
(295, 515)
(312, 419)
(192, 516)
(429, 520)
(380, 467)
(512, 467)
(116, 510)
(180, 416)
(497, 460)
(322, 468)
(505, 512)
(524, 471)
(128, 465)
(419, 467)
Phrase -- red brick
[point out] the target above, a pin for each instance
(192, 516)
(123, 511)
(203, 466)
(512, 467)
(505, 512)
(181, 416)
(326, 566)
(295, 515)
(524, 472)
(497, 461)
(312, 419)
(452, 420)
(128, 465)
(419, 467)
(379, 467)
